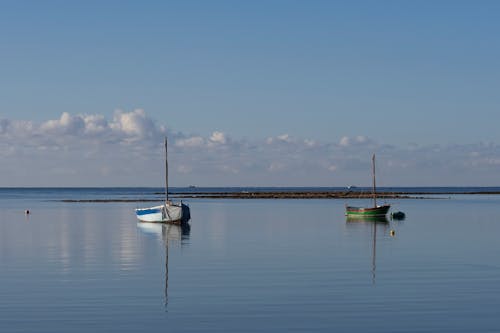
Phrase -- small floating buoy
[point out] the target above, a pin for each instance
(392, 232)
(27, 212)
(398, 215)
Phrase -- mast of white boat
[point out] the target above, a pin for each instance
(374, 185)
(166, 171)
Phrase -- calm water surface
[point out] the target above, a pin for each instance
(248, 265)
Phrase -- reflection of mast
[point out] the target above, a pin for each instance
(168, 232)
(164, 232)
(374, 252)
(374, 223)
(176, 233)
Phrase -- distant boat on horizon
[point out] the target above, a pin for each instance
(169, 212)
(374, 211)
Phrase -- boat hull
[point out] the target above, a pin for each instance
(168, 213)
(368, 212)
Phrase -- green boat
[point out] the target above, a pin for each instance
(371, 211)
(368, 211)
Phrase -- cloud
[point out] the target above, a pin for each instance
(345, 141)
(4, 124)
(95, 124)
(283, 138)
(135, 125)
(124, 127)
(218, 137)
(310, 143)
(67, 124)
(359, 140)
(127, 150)
(194, 141)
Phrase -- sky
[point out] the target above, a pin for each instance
(249, 93)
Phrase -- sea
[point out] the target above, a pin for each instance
(239, 265)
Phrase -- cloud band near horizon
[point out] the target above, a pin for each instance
(127, 150)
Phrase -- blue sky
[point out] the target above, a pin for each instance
(249, 92)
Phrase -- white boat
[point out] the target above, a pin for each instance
(169, 212)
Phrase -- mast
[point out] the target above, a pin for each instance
(166, 171)
(374, 184)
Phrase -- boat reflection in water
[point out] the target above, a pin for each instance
(374, 222)
(168, 233)
(367, 219)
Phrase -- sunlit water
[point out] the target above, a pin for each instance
(249, 265)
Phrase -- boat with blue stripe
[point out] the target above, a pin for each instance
(169, 212)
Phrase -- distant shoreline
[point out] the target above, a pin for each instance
(288, 195)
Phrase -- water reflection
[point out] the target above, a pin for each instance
(169, 233)
(374, 223)
(367, 219)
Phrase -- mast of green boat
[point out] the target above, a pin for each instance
(166, 171)
(374, 184)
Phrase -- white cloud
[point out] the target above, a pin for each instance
(66, 124)
(127, 150)
(125, 127)
(4, 124)
(95, 124)
(20, 129)
(361, 139)
(345, 141)
(284, 138)
(309, 143)
(194, 141)
(135, 124)
(218, 137)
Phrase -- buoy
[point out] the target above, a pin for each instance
(392, 232)
(398, 215)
